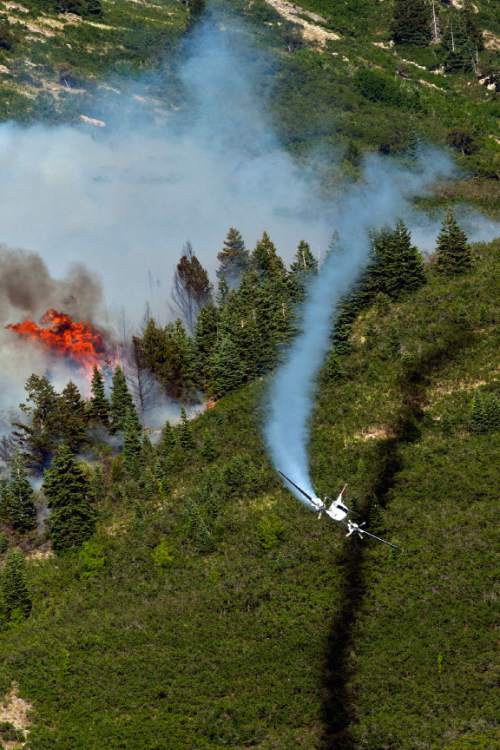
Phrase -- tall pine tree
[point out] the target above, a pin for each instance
(233, 258)
(132, 444)
(98, 408)
(453, 255)
(121, 400)
(73, 418)
(411, 22)
(72, 519)
(15, 601)
(19, 507)
(304, 266)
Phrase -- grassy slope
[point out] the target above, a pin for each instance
(231, 648)
(58, 60)
(317, 103)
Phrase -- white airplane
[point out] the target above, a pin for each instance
(337, 511)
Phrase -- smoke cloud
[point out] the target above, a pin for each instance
(382, 197)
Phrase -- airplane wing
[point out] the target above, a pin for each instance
(379, 539)
(298, 488)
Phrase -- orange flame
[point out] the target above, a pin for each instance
(76, 340)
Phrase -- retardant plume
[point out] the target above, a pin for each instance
(382, 197)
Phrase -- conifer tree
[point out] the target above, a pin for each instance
(19, 508)
(178, 374)
(132, 444)
(98, 409)
(222, 292)
(205, 339)
(226, 368)
(208, 447)
(167, 442)
(303, 267)
(192, 289)
(265, 259)
(233, 258)
(411, 22)
(186, 439)
(121, 400)
(15, 602)
(453, 255)
(73, 423)
(38, 436)
(408, 264)
(67, 489)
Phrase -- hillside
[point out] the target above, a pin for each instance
(220, 613)
(336, 83)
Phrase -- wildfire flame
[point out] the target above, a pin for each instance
(75, 340)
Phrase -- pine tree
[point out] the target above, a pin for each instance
(73, 420)
(411, 22)
(67, 489)
(132, 444)
(179, 374)
(19, 507)
(39, 435)
(167, 441)
(98, 409)
(304, 266)
(186, 439)
(233, 258)
(192, 289)
(462, 40)
(121, 400)
(453, 255)
(205, 339)
(208, 447)
(265, 259)
(227, 371)
(15, 600)
(410, 268)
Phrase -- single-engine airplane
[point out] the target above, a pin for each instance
(337, 511)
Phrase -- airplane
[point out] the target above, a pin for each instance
(337, 511)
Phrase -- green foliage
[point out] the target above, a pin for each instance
(271, 531)
(18, 508)
(185, 432)
(162, 555)
(485, 411)
(133, 452)
(92, 557)
(15, 601)
(411, 23)
(121, 401)
(233, 258)
(98, 408)
(73, 418)
(452, 251)
(4, 543)
(380, 88)
(72, 519)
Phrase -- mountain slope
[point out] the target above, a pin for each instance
(256, 625)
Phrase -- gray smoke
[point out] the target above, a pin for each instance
(379, 200)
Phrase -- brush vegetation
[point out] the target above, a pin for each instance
(210, 609)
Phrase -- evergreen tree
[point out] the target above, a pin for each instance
(222, 292)
(226, 368)
(167, 442)
(409, 267)
(121, 400)
(462, 41)
(178, 374)
(38, 436)
(265, 259)
(192, 289)
(15, 602)
(67, 489)
(411, 22)
(98, 409)
(453, 255)
(233, 258)
(132, 444)
(303, 267)
(186, 439)
(485, 414)
(73, 421)
(205, 340)
(208, 447)
(19, 507)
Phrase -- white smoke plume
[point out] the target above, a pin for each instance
(379, 200)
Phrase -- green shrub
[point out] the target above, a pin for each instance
(92, 557)
(271, 531)
(162, 554)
